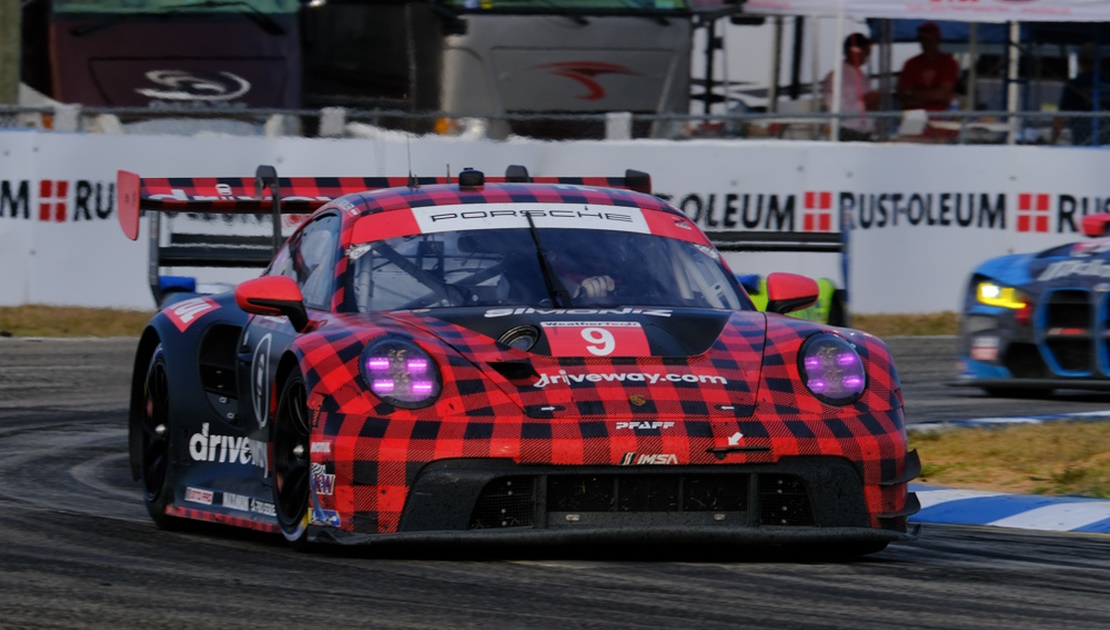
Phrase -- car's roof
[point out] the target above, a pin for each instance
(392, 212)
(388, 199)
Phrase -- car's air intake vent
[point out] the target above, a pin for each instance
(506, 502)
(783, 500)
(648, 493)
(1069, 330)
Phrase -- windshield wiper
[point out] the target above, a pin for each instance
(560, 298)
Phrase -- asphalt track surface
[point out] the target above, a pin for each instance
(77, 549)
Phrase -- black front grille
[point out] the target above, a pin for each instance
(512, 501)
(1068, 326)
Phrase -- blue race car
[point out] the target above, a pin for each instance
(1033, 323)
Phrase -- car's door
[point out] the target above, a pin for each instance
(309, 258)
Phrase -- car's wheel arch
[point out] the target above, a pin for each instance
(148, 344)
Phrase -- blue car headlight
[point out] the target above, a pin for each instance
(400, 373)
(832, 369)
(993, 294)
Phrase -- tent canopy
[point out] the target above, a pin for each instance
(963, 11)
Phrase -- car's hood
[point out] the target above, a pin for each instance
(617, 363)
(1062, 265)
(1013, 269)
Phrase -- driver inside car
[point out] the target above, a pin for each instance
(585, 265)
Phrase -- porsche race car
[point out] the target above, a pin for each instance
(509, 359)
(1034, 323)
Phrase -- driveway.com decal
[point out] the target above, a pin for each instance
(651, 378)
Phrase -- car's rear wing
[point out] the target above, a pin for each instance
(804, 242)
(268, 194)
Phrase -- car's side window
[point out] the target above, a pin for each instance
(311, 260)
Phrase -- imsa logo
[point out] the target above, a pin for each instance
(647, 459)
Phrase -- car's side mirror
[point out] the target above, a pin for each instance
(1096, 224)
(789, 292)
(273, 295)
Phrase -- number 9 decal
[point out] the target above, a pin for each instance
(601, 342)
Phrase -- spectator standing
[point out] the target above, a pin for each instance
(856, 95)
(1078, 96)
(928, 81)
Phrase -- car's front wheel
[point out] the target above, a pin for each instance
(291, 461)
(156, 442)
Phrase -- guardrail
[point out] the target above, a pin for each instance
(944, 127)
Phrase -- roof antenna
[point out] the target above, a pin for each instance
(413, 183)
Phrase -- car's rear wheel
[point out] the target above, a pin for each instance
(291, 461)
(156, 442)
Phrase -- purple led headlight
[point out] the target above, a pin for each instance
(400, 373)
(832, 369)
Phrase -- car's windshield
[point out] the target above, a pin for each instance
(503, 267)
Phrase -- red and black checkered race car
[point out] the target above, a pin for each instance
(510, 360)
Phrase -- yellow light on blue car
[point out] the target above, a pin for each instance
(993, 294)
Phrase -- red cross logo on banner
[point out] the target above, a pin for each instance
(1032, 213)
(52, 200)
(817, 215)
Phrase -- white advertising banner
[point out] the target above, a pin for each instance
(959, 10)
(921, 217)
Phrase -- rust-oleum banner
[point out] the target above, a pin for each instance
(919, 217)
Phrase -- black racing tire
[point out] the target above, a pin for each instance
(157, 443)
(291, 462)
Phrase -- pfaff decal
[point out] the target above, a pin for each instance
(646, 425)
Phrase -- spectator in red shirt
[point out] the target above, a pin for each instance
(928, 81)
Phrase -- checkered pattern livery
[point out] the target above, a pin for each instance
(377, 449)
(742, 388)
(303, 194)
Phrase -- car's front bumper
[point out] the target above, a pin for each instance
(796, 500)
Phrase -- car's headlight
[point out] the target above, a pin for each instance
(993, 294)
(832, 369)
(400, 373)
